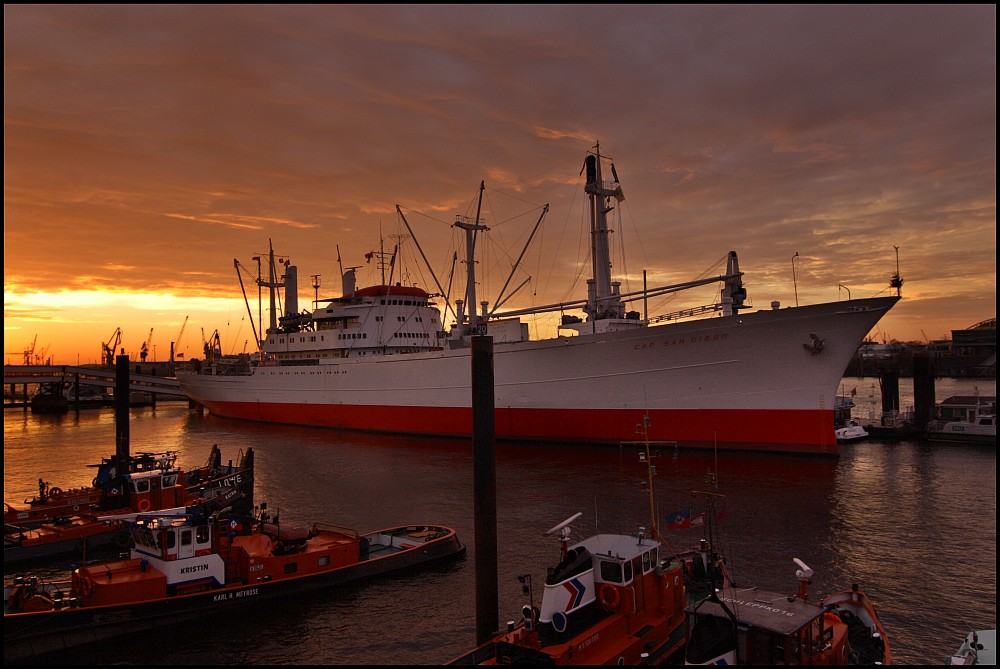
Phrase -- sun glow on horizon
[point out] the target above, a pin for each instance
(69, 327)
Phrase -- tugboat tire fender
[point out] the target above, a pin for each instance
(55, 492)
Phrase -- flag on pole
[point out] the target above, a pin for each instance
(679, 520)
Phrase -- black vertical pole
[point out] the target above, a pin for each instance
(122, 446)
(485, 489)
(890, 390)
(923, 391)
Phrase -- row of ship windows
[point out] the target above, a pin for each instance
(401, 319)
(405, 303)
(362, 335)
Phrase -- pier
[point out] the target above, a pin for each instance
(17, 379)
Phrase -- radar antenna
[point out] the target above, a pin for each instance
(803, 574)
(563, 530)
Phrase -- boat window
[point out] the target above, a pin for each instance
(711, 638)
(142, 485)
(202, 536)
(645, 562)
(611, 572)
(767, 647)
(291, 567)
(324, 560)
(171, 540)
(144, 536)
(186, 538)
(628, 571)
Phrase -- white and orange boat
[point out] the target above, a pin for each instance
(191, 565)
(750, 626)
(152, 481)
(83, 521)
(380, 358)
(611, 599)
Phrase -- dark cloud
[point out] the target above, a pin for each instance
(170, 138)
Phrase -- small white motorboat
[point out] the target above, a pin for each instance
(851, 432)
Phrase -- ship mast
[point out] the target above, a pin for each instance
(471, 227)
(273, 283)
(602, 295)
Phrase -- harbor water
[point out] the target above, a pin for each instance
(912, 523)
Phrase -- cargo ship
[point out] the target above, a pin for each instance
(379, 358)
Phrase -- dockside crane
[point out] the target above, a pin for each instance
(146, 345)
(28, 352)
(177, 342)
(110, 347)
(40, 358)
(212, 346)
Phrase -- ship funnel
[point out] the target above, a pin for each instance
(349, 283)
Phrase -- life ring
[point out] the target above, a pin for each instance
(609, 596)
(144, 505)
(55, 492)
(76, 507)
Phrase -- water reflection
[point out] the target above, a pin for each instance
(914, 525)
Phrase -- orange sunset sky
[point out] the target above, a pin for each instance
(148, 146)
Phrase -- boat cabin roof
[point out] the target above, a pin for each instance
(618, 546)
(969, 401)
(154, 474)
(769, 611)
(397, 290)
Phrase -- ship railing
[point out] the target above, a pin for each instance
(348, 531)
(691, 312)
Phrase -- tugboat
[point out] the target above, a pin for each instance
(752, 626)
(50, 527)
(611, 599)
(152, 482)
(190, 565)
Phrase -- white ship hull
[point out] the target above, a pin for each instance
(754, 381)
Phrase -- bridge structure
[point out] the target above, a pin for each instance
(83, 380)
